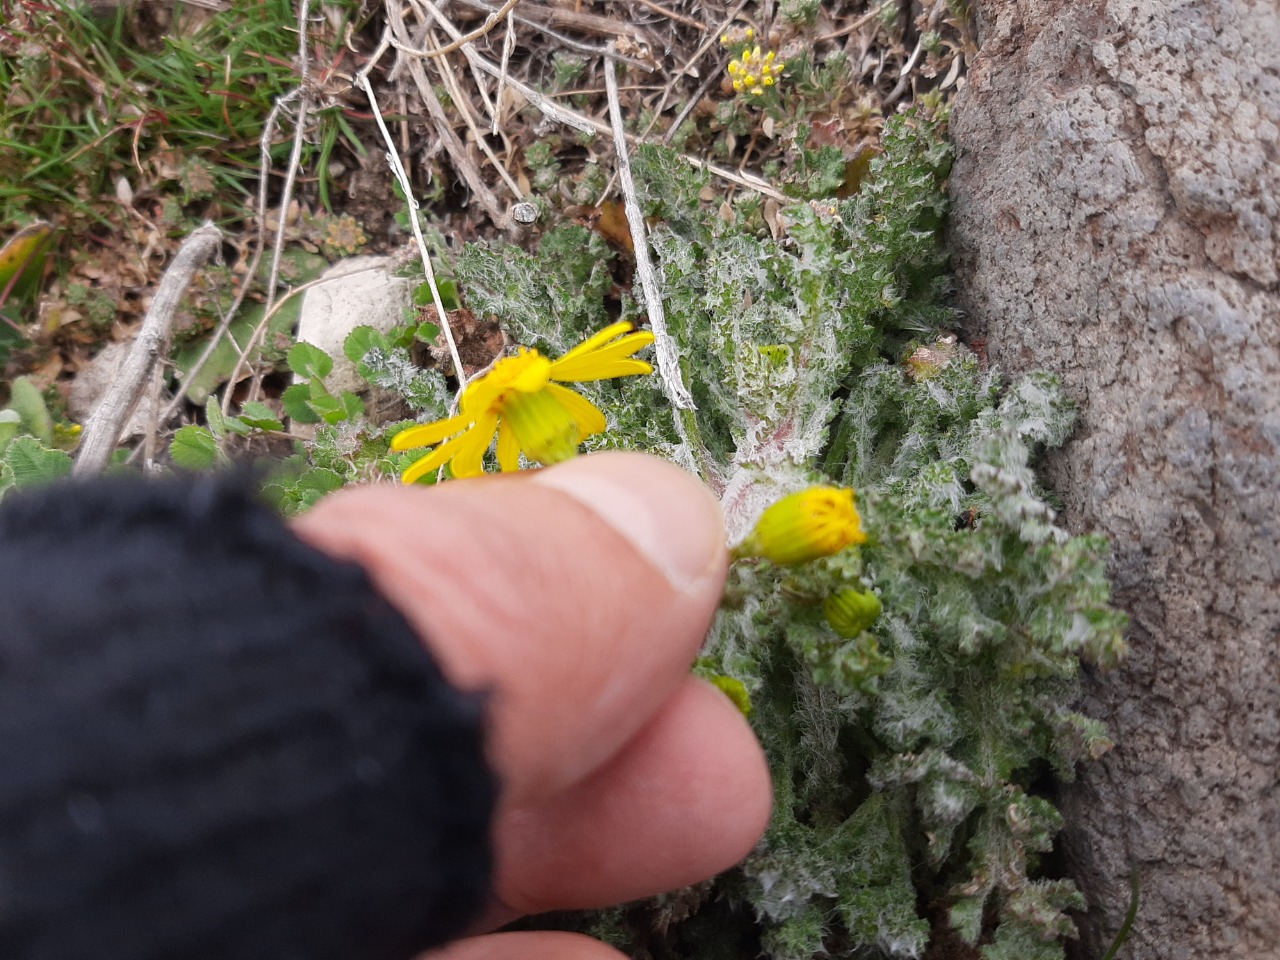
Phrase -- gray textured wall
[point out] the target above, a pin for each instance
(1117, 220)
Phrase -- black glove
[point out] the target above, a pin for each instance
(218, 742)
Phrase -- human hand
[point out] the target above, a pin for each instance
(576, 597)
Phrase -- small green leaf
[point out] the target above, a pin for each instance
(321, 480)
(352, 405)
(22, 261)
(448, 293)
(361, 340)
(259, 416)
(33, 464)
(194, 448)
(297, 403)
(427, 331)
(238, 427)
(214, 418)
(28, 401)
(308, 360)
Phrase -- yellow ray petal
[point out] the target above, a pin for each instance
(598, 340)
(585, 413)
(614, 368)
(508, 448)
(435, 459)
(584, 366)
(469, 460)
(429, 434)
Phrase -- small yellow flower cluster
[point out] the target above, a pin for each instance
(738, 36)
(753, 71)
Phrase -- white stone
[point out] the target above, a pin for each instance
(357, 292)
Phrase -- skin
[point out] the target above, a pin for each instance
(576, 597)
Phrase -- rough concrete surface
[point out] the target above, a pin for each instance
(1117, 220)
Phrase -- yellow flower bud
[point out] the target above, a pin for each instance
(849, 612)
(736, 691)
(804, 526)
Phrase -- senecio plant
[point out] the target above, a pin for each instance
(904, 622)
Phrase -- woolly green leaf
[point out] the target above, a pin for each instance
(194, 448)
(296, 400)
(307, 360)
(28, 401)
(33, 464)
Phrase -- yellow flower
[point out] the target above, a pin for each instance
(804, 526)
(753, 70)
(521, 401)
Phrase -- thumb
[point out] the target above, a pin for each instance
(576, 597)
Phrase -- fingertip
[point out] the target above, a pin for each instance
(670, 518)
(527, 945)
(687, 798)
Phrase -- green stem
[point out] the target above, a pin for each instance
(1126, 928)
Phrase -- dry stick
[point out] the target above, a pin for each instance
(445, 68)
(286, 196)
(224, 326)
(393, 158)
(671, 14)
(577, 121)
(711, 39)
(540, 24)
(508, 45)
(858, 24)
(664, 346)
(102, 432)
(904, 77)
(444, 130)
(493, 20)
(592, 23)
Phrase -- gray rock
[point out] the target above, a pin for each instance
(357, 292)
(1116, 195)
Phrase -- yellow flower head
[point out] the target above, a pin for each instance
(804, 526)
(521, 401)
(849, 611)
(754, 70)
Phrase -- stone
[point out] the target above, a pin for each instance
(1116, 192)
(356, 292)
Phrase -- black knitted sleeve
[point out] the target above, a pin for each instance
(218, 742)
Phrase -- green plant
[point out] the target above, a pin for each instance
(87, 101)
(914, 694)
(33, 443)
(309, 400)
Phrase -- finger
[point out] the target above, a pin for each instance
(687, 798)
(528, 945)
(575, 596)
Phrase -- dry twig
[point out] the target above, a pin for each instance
(664, 346)
(102, 432)
(444, 128)
(362, 81)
